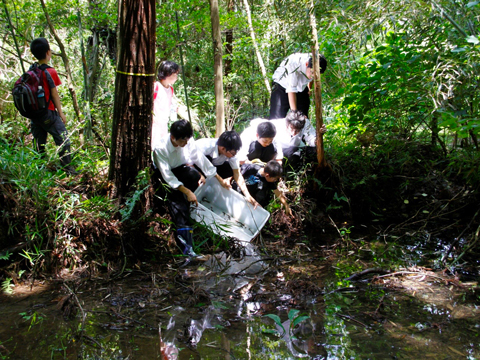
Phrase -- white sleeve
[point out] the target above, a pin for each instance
(160, 159)
(199, 159)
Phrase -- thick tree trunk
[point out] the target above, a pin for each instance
(218, 67)
(255, 45)
(132, 113)
(317, 91)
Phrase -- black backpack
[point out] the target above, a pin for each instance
(25, 92)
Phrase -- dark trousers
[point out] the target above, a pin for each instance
(294, 156)
(178, 205)
(54, 126)
(279, 104)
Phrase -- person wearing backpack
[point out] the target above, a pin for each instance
(54, 121)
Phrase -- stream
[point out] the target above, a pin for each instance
(308, 303)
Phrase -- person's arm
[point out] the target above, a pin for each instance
(238, 177)
(283, 200)
(190, 195)
(56, 101)
(292, 100)
(224, 182)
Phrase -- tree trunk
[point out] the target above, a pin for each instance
(317, 91)
(229, 45)
(132, 112)
(255, 45)
(217, 49)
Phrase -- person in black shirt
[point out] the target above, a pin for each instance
(262, 180)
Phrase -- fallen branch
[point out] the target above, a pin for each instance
(366, 272)
(420, 273)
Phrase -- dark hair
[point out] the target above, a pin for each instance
(273, 168)
(181, 129)
(167, 68)
(296, 119)
(39, 48)
(323, 63)
(266, 130)
(230, 140)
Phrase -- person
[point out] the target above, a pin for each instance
(262, 181)
(55, 120)
(222, 154)
(164, 104)
(291, 84)
(296, 136)
(172, 157)
(259, 143)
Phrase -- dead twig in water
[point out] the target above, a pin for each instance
(366, 272)
(419, 273)
(346, 317)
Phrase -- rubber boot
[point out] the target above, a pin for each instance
(185, 238)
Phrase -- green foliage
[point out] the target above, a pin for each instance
(7, 286)
(142, 183)
(294, 317)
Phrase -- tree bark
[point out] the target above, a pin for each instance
(132, 112)
(66, 63)
(317, 91)
(255, 45)
(218, 67)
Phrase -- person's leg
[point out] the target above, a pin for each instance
(292, 156)
(179, 208)
(59, 132)
(39, 137)
(279, 104)
(303, 101)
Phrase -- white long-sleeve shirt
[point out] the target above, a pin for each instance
(285, 140)
(291, 74)
(167, 157)
(209, 147)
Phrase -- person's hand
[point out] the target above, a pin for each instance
(202, 180)
(252, 201)
(192, 198)
(226, 183)
(64, 118)
(323, 129)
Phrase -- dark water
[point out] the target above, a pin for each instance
(225, 309)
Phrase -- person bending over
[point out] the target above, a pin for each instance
(297, 138)
(222, 154)
(292, 83)
(262, 181)
(172, 157)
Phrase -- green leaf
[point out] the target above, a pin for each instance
(275, 318)
(292, 314)
(300, 319)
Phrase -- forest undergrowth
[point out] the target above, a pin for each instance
(52, 223)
